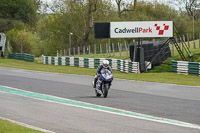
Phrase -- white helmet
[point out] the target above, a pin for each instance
(105, 63)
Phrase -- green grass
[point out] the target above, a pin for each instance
(46, 68)
(160, 73)
(9, 127)
(165, 77)
(166, 66)
(191, 48)
(196, 54)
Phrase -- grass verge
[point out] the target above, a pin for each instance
(9, 127)
(166, 66)
(163, 77)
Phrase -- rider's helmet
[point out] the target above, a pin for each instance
(105, 63)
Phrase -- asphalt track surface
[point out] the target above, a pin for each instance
(175, 102)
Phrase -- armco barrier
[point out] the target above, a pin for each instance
(116, 64)
(22, 56)
(184, 67)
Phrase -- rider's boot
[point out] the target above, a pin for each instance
(95, 82)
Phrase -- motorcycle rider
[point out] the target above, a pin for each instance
(105, 65)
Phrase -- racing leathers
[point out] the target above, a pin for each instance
(100, 67)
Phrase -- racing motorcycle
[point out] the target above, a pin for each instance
(103, 83)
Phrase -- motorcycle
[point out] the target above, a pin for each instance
(103, 83)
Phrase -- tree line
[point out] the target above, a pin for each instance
(34, 27)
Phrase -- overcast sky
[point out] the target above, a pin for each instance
(167, 2)
(162, 1)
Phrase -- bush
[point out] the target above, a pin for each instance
(23, 41)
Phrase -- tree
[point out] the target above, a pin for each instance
(188, 6)
(17, 10)
(78, 16)
(191, 6)
(92, 7)
(124, 6)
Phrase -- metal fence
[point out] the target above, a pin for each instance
(109, 49)
(191, 44)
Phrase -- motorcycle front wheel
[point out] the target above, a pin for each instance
(105, 90)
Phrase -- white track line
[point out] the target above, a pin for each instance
(117, 112)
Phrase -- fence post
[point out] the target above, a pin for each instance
(78, 51)
(119, 46)
(107, 49)
(191, 41)
(188, 40)
(57, 53)
(126, 47)
(60, 53)
(69, 52)
(199, 40)
(89, 49)
(74, 51)
(177, 43)
(83, 50)
(194, 44)
(100, 48)
(184, 40)
(95, 50)
(113, 47)
(135, 51)
(172, 50)
(181, 44)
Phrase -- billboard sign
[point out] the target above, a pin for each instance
(137, 29)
